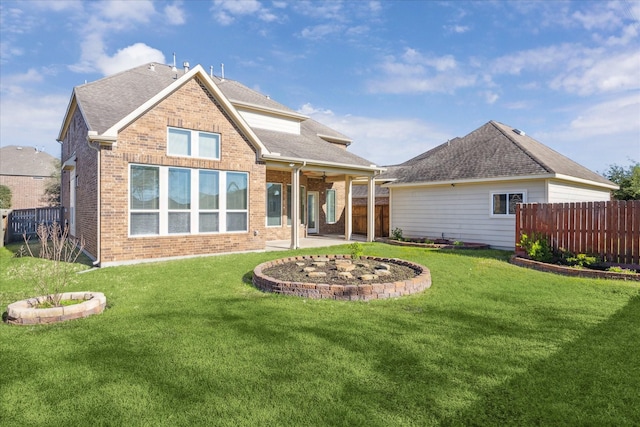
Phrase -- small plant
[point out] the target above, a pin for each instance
(617, 269)
(537, 247)
(396, 234)
(458, 243)
(356, 250)
(62, 251)
(581, 260)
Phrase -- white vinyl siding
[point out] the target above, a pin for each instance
(460, 212)
(270, 122)
(565, 192)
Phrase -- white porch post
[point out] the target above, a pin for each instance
(348, 209)
(295, 208)
(371, 211)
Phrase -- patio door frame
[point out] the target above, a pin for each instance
(313, 212)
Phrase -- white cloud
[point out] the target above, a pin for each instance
(125, 12)
(175, 13)
(320, 31)
(458, 29)
(372, 136)
(612, 73)
(13, 84)
(129, 57)
(418, 73)
(490, 97)
(226, 11)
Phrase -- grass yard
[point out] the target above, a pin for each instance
(191, 342)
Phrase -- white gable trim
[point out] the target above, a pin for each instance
(195, 71)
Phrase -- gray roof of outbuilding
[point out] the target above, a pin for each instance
(494, 150)
(107, 101)
(26, 161)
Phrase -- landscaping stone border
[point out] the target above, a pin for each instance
(364, 292)
(569, 271)
(465, 245)
(24, 312)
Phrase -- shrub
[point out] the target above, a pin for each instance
(5, 197)
(617, 269)
(62, 251)
(581, 260)
(396, 234)
(356, 250)
(537, 247)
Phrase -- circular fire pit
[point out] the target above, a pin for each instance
(367, 288)
(25, 312)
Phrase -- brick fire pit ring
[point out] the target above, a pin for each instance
(362, 292)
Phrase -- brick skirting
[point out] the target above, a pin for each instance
(568, 271)
(364, 292)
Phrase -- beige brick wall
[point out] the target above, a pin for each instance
(26, 191)
(145, 142)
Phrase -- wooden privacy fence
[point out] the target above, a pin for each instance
(25, 221)
(610, 230)
(359, 220)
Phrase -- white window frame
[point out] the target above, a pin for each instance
(194, 143)
(163, 207)
(507, 193)
(333, 208)
(267, 207)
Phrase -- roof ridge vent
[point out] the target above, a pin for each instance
(519, 132)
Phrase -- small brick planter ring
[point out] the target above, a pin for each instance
(25, 313)
(363, 292)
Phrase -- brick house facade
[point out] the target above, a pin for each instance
(110, 147)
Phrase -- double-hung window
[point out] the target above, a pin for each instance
(505, 203)
(193, 143)
(331, 206)
(166, 200)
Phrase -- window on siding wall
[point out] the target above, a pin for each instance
(505, 203)
(274, 204)
(331, 206)
(167, 200)
(191, 143)
(303, 198)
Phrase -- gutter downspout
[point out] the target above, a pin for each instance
(96, 263)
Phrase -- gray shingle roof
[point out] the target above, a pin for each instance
(106, 101)
(26, 161)
(494, 150)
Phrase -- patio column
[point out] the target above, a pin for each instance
(348, 209)
(371, 209)
(295, 208)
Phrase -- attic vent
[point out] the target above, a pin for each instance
(152, 67)
(519, 132)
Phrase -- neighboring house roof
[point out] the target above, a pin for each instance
(26, 161)
(492, 151)
(109, 101)
(361, 191)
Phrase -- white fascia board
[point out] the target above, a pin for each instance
(470, 181)
(71, 107)
(329, 138)
(586, 182)
(309, 164)
(275, 111)
(197, 70)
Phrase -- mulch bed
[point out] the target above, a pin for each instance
(294, 271)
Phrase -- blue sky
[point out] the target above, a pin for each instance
(399, 77)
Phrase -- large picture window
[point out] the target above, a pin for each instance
(505, 203)
(274, 204)
(331, 206)
(192, 143)
(165, 200)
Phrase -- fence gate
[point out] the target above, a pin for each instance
(25, 221)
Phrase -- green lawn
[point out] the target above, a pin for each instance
(191, 342)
